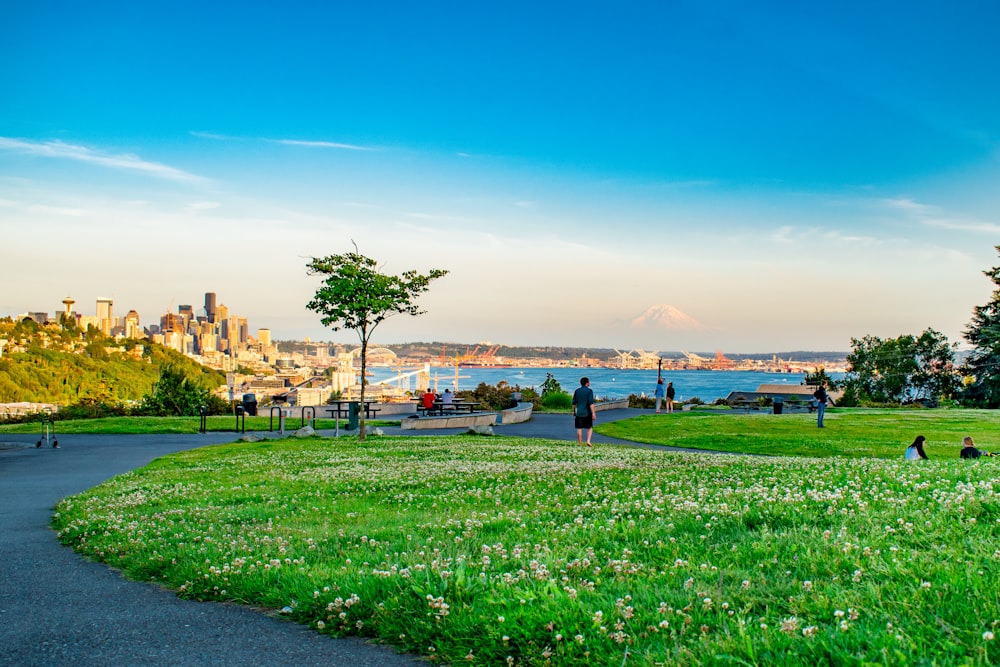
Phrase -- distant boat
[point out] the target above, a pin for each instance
(473, 364)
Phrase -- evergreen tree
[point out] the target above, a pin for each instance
(983, 333)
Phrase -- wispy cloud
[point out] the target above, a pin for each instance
(965, 225)
(935, 216)
(60, 150)
(910, 206)
(213, 135)
(320, 144)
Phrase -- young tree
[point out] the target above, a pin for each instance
(983, 332)
(355, 295)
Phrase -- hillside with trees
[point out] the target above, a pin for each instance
(66, 366)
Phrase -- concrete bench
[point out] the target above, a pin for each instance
(465, 420)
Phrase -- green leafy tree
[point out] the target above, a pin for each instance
(176, 394)
(551, 385)
(819, 377)
(983, 363)
(356, 295)
(903, 369)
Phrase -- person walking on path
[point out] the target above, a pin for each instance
(822, 398)
(584, 413)
(670, 397)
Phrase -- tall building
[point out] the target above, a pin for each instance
(105, 315)
(132, 329)
(187, 314)
(222, 321)
(210, 306)
(264, 337)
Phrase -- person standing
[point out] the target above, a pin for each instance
(670, 397)
(584, 413)
(658, 394)
(822, 398)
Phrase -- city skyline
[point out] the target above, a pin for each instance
(747, 177)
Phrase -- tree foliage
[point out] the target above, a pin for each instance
(983, 363)
(901, 370)
(177, 395)
(356, 295)
(819, 377)
(87, 373)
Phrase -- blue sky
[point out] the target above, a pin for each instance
(764, 176)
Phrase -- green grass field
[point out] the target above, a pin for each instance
(149, 425)
(855, 432)
(504, 551)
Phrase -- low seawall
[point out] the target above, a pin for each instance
(449, 421)
(616, 404)
(515, 415)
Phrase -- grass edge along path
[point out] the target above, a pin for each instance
(493, 551)
(151, 425)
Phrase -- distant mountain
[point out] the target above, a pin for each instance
(664, 316)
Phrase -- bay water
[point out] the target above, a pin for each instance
(606, 382)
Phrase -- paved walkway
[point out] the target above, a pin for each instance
(56, 608)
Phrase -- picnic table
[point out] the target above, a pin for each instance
(442, 407)
(343, 409)
(747, 404)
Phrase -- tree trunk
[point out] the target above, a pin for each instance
(361, 407)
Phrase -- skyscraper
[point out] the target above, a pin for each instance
(210, 306)
(105, 315)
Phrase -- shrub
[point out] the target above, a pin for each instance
(637, 401)
(557, 401)
(490, 397)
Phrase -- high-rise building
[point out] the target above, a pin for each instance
(264, 337)
(187, 314)
(105, 315)
(132, 329)
(210, 306)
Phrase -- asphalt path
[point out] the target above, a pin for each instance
(58, 608)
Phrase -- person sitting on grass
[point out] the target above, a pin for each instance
(969, 450)
(916, 450)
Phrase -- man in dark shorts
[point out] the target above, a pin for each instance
(583, 411)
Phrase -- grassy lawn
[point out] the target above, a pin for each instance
(848, 432)
(503, 551)
(148, 425)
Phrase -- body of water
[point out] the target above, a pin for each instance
(608, 382)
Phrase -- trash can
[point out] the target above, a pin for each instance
(777, 405)
(353, 409)
(250, 404)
